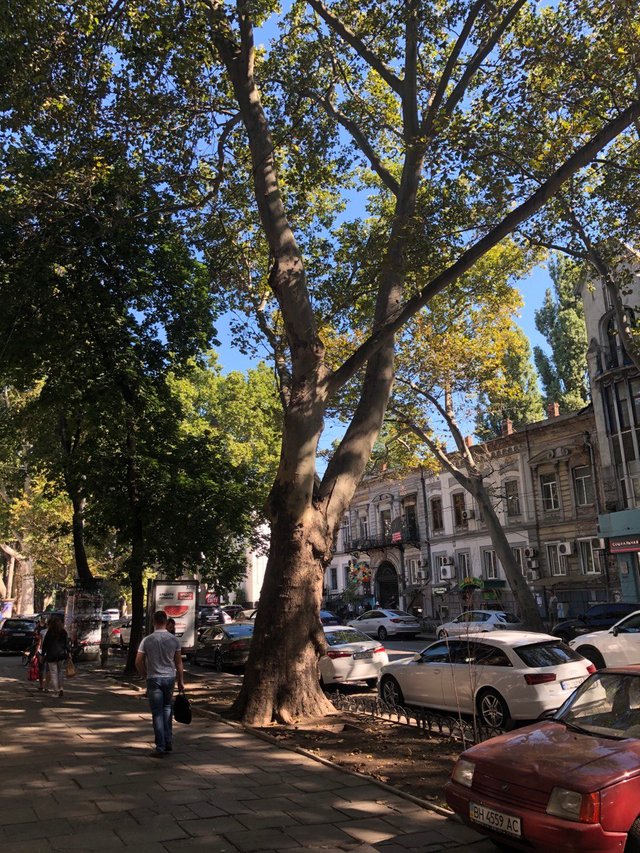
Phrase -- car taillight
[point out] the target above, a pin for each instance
(237, 644)
(379, 650)
(540, 677)
(395, 620)
(334, 653)
(591, 668)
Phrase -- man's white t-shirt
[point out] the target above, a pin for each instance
(160, 650)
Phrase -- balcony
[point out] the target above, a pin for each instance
(406, 534)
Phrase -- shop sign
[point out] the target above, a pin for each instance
(477, 582)
(440, 590)
(624, 545)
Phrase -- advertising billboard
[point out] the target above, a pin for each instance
(178, 599)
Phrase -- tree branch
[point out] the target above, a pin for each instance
(509, 223)
(347, 35)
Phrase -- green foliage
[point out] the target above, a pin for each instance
(561, 321)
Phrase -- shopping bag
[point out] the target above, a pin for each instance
(70, 669)
(34, 669)
(182, 709)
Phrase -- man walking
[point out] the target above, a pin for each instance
(159, 660)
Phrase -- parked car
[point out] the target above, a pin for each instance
(352, 656)
(501, 675)
(120, 633)
(598, 617)
(224, 645)
(212, 615)
(326, 617)
(568, 783)
(472, 621)
(111, 615)
(234, 610)
(17, 634)
(619, 646)
(382, 623)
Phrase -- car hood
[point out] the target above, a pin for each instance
(592, 637)
(544, 755)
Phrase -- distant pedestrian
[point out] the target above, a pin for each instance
(55, 651)
(159, 660)
(171, 626)
(105, 642)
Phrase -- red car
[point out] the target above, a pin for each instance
(569, 783)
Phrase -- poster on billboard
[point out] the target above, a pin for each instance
(178, 599)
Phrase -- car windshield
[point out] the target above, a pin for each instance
(18, 625)
(337, 638)
(508, 617)
(239, 630)
(549, 653)
(607, 704)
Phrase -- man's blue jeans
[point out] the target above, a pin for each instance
(160, 692)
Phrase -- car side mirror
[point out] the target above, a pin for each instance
(615, 630)
(417, 658)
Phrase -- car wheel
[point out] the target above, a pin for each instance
(633, 838)
(493, 710)
(382, 633)
(371, 682)
(218, 663)
(593, 655)
(390, 691)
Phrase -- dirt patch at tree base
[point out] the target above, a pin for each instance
(397, 754)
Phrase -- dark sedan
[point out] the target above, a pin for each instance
(599, 617)
(16, 635)
(224, 646)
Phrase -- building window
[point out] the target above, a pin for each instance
(364, 527)
(334, 578)
(385, 524)
(347, 576)
(512, 497)
(549, 488)
(411, 522)
(463, 565)
(437, 522)
(345, 530)
(583, 485)
(557, 562)
(589, 562)
(490, 565)
(459, 515)
(518, 556)
(412, 570)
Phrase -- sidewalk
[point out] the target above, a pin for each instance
(76, 776)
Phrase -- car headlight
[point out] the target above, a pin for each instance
(572, 805)
(463, 772)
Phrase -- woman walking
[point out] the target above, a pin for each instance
(55, 651)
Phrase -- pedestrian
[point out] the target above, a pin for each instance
(159, 660)
(105, 641)
(55, 651)
(171, 625)
(41, 630)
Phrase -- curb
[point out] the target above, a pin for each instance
(213, 715)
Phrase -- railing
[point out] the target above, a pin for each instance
(405, 535)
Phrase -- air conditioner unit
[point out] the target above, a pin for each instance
(419, 576)
(446, 573)
(565, 548)
(530, 552)
(532, 564)
(468, 513)
(448, 561)
(599, 544)
(533, 575)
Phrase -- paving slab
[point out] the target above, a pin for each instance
(78, 777)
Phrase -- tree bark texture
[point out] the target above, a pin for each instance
(79, 550)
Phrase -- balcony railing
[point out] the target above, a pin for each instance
(406, 534)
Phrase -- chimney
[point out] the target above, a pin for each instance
(468, 440)
(507, 427)
(553, 410)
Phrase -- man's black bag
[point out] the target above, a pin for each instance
(182, 709)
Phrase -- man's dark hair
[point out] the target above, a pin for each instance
(159, 617)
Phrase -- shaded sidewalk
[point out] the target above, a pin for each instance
(77, 776)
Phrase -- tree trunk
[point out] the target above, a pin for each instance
(529, 612)
(135, 563)
(281, 681)
(82, 564)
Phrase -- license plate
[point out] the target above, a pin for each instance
(363, 656)
(499, 821)
(571, 683)
(18, 634)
